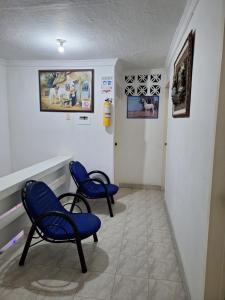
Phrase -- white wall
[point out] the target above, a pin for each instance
(5, 163)
(191, 145)
(140, 141)
(37, 136)
(215, 271)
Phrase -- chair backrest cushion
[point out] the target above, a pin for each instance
(39, 199)
(78, 172)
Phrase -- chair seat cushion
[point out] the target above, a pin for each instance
(87, 224)
(94, 190)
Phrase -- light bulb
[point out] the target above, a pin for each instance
(61, 45)
(61, 48)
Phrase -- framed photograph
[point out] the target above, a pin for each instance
(142, 107)
(182, 81)
(66, 90)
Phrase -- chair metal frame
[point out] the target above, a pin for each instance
(80, 191)
(35, 226)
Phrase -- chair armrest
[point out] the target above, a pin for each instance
(75, 197)
(102, 173)
(95, 180)
(66, 195)
(60, 215)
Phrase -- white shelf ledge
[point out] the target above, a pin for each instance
(18, 210)
(14, 182)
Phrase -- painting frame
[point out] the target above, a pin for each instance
(182, 80)
(141, 112)
(67, 110)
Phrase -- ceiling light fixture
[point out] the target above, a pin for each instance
(61, 45)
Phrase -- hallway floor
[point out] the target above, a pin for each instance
(133, 260)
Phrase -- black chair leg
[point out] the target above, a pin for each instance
(95, 237)
(73, 204)
(81, 256)
(27, 246)
(110, 207)
(112, 200)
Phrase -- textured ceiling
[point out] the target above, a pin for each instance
(138, 32)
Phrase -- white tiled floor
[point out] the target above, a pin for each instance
(133, 260)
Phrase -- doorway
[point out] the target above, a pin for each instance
(139, 150)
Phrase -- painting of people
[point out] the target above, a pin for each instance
(66, 90)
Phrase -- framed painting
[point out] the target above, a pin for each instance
(142, 107)
(66, 90)
(182, 81)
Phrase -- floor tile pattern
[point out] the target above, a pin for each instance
(133, 260)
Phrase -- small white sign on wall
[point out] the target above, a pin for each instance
(83, 119)
(106, 84)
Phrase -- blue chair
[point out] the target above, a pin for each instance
(93, 188)
(53, 223)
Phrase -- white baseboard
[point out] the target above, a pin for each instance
(140, 186)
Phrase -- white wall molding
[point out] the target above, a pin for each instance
(62, 63)
(143, 71)
(181, 29)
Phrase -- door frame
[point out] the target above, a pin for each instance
(165, 127)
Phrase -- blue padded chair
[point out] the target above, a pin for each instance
(53, 223)
(93, 188)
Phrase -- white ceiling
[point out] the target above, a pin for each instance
(137, 31)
